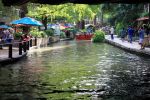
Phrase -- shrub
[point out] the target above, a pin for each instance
(62, 34)
(119, 26)
(17, 35)
(99, 36)
(73, 30)
(50, 32)
(36, 33)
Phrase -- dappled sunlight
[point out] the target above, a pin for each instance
(78, 70)
(50, 48)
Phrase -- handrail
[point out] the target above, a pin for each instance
(21, 45)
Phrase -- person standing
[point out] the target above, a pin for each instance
(130, 33)
(112, 32)
(123, 34)
(141, 37)
(10, 36)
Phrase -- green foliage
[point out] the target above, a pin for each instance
(7, 14)
(17, 35)
(72, 30)
(122, 13)
(83, 30)
(119, 26)
(99, 36)
(49, 32)
(62, 34)
(70, 12)
(36, 33)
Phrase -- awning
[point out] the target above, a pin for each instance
(142, 18)
(27, 21)
(4, 27)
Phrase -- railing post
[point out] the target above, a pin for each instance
(1, 47)
(20, 48)
(28, 45)
(10, 51)
(30, 42)
(24, 46)
(35, 41)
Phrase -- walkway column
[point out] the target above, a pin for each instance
(20, 48)
(25, 46)
(30, 42)
(28, 45)
(35, 41)
(10, 51)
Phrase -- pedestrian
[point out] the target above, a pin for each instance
(112, 32)
(123, 34)
(1, 38)
(4, 36)
(141, 37)
(10, 36)
(130, 33)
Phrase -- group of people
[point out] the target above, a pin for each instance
(26, 36)
(6, 35)
(130, 33)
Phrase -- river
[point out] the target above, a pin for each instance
(77, 70)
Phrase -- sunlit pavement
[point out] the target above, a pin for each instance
(4, 54)
(134, 46)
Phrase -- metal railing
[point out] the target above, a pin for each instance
(19, 46)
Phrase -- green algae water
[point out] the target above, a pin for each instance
(77, 70)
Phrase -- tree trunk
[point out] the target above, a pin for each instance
(102, 17)
(94, 21)
(78, 24)
(23, 11)
(82, 24)
(44, 21)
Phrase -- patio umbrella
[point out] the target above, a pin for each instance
(142, 18)
(27, 21)
(4, 27)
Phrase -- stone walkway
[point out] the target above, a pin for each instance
(133, 47)
(4, 55)
(4, 52)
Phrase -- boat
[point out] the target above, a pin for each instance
(83, 36)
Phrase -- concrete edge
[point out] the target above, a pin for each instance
(131, 50)
(12, 60)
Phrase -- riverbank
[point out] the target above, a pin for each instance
(4, 58)
(5, 52)
(125, 45)
(133, 47)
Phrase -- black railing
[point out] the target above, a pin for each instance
(19, 46)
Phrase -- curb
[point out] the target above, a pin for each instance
(12, 60)
(131, 50)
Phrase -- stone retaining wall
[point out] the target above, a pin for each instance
(42, 42)
(135, 51)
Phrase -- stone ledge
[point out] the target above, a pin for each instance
(132, 50)
(12, 60)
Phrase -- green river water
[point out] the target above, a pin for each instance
(77, 70)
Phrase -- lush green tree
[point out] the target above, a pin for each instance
(68, 12)
(8, 14)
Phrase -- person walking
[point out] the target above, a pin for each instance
(112, 32)
(141, 37)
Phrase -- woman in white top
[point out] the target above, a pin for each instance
(112, 33)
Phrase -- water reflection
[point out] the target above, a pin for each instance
(77, 71)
